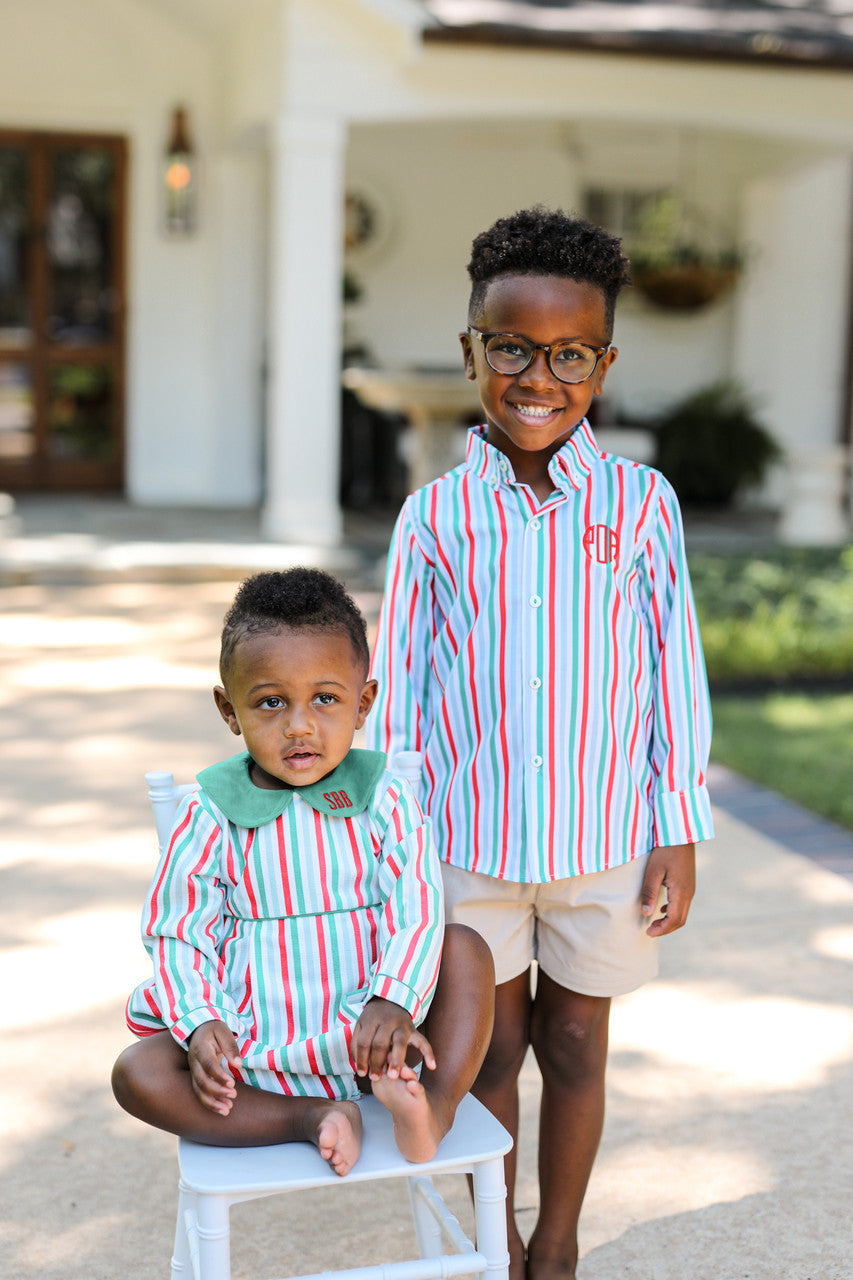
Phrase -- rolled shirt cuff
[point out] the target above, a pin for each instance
(682, 817)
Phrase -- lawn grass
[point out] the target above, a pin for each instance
(800, 744)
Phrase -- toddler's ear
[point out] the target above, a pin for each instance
(368, 697)
(226, 710)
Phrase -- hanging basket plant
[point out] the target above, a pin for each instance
(679, 260)
(685, 282)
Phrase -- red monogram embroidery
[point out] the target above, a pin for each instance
(601, 543)
(337, 799)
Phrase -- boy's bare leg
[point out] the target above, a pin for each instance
(458, 1027)
(569, 1037)
(151, 1080)
(497, 1088)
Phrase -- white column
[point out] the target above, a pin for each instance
(790, 337)
(303, 404)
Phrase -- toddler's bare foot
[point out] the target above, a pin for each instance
(337, 1135)
(417, 1128)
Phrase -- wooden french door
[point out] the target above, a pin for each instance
(62, 310)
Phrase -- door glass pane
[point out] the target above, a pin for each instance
(81, 304)
(17, 413)
(14, 300)
(80, 413)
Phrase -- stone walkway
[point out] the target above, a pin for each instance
(726, 1153)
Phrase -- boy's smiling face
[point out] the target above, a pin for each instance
(532, 413)
(297, 697)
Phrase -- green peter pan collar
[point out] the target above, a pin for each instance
(343, 792)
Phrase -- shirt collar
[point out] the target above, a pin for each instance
(345, 791)
(568, 468)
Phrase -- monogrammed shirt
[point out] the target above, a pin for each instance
(281, 913)
(545, 659)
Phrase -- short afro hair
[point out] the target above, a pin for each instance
(545, 242)
(301, 599)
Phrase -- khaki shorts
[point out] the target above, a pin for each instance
(586, 932)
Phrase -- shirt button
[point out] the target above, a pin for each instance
(535, 523)
(536, 761)
(535, 682)
(535, 601)
(504, 465)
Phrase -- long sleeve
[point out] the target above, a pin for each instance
(401, 717)
(682, 714)
(184, 927)
(411, 924)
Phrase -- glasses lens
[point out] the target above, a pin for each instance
(573, 362)
(508, 354)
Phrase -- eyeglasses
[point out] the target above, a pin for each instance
(509, 353)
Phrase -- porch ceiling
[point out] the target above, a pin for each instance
(817, 33)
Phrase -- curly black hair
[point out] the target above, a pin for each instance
(302, 599)
(547, 242)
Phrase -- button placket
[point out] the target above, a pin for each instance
(533, 648)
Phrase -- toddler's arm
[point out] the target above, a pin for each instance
(674, 869)
(212, 1083)
(381, 1037)
(184, 926)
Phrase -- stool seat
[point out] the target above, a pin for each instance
(293, 1166)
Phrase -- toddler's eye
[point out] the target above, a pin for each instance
(272, 703)
(326, 699)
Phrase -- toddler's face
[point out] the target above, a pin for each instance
(533, 411)
(297, 697)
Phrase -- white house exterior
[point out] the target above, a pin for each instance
(234, 333)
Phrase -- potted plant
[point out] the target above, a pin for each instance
(710, 445)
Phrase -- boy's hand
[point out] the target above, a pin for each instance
(674, 869)
(212, 1084)
(381, 1037)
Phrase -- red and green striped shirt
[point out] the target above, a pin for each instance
(281, 913)
(545, 659)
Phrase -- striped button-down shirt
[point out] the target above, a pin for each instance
(545, 659)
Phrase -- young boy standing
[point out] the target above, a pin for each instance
(538, 645)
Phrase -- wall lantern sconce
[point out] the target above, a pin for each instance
(179, 179)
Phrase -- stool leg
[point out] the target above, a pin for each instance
(490, 1217)
(427, 1230)
(214, 1238)
(181, 1262)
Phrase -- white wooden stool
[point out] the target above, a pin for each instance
(214, 1178)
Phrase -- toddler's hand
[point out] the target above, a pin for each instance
(381, 1037)
(212, 1083)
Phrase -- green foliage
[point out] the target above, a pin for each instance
(780, 617)
(800, 745)
(711, 445)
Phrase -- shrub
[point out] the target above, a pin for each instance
(776, 618)
(711, 445)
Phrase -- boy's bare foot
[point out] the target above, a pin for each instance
(417, 1128)
(337, 1135)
